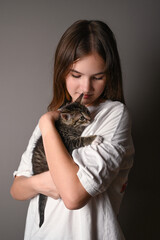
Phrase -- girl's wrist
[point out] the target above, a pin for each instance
(35, 183)
(46, 122)
(47, 128)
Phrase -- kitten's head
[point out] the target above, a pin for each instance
(75, 114)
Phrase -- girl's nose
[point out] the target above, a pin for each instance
(86, 85)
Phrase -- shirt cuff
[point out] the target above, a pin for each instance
(86, 184)
(24, 173)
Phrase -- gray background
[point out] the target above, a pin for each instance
(29, 33)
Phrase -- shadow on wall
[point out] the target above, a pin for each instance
(140, 210)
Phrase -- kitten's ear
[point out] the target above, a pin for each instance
(65, 116)
(79, 99)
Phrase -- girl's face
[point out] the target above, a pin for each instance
(87, 75)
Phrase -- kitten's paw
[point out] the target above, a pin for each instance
(97, 140)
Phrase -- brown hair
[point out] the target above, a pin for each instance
(82, 38)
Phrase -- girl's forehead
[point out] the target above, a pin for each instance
(90, 64)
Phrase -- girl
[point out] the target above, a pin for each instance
(85, 190)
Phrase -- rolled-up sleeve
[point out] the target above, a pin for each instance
(100, 164)
(25, 166)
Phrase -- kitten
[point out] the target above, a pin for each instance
(74, 117)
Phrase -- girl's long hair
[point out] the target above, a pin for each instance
(82, 38)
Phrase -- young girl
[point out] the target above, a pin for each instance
(85, 190)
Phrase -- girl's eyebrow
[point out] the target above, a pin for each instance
(75, 71)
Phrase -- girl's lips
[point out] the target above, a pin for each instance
(86, 96)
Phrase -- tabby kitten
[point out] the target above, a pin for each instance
(74, 117)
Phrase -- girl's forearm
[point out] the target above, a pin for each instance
(63, 170)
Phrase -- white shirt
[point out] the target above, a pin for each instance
(103, 171)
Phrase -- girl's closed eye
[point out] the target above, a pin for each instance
(98, 78)
(75, 76)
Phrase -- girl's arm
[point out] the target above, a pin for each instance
(24, 188)
(62, 168)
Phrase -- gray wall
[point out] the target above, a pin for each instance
(29, 33)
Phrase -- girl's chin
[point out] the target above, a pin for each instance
(87, 102)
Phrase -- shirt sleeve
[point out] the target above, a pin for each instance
(100, 164)
(25, 166)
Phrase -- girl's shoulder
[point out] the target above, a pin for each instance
(111, 114)
(109, 107)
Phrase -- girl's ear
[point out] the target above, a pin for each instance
(65, 116)
(79, 99)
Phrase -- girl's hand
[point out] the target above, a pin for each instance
(46, 122)
(46, 186)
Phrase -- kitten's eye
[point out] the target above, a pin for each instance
(82, 118)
